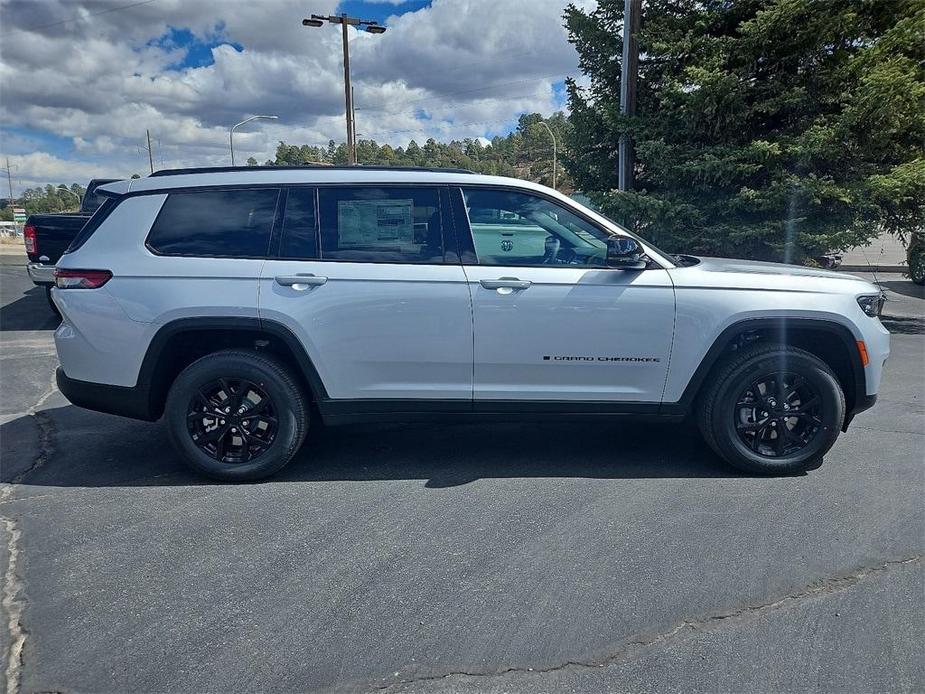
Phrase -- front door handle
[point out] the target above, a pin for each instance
(301, 282)
(505, 283)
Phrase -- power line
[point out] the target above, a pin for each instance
(77, 19)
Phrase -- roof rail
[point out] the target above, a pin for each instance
(322, 167)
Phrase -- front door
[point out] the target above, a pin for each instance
(551, 321)
(362, 279)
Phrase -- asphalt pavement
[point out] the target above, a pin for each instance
(502, 558)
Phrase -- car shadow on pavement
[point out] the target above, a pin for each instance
(30, 312)
(78, 448)
(904, 287)
(904, 325)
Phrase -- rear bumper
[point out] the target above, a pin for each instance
(134, 402)
(40, 273)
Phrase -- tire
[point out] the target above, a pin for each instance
(740, 410)
(51, 302)
(275, 416)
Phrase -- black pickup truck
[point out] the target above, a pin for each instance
(47, 236)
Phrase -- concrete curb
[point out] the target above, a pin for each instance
(872, 268)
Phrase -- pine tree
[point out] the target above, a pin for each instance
(771, 129)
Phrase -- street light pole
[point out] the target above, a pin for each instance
(348, 96)
(246, 120)
(553, 136)
(372, 27)
(64, 188)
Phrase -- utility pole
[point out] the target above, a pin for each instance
(372, 27)
(629, 75)
(553, 136)
(150, 151)
(353, 123)
(9, 180)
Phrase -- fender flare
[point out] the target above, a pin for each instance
(779, 327)
(152, 358)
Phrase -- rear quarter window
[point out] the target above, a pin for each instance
(98, 217)
(215, 223)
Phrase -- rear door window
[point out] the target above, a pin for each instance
(381, 224)
(215, 223)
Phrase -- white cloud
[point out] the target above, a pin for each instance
(77, 69)
(41, 168)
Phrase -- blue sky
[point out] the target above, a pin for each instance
(187, 70)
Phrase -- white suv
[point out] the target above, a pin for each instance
(234, 302)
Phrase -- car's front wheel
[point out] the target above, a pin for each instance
(772, 409)
(236, 415)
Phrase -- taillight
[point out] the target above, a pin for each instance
(28, 233)
(81, 279)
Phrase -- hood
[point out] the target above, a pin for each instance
(729, 273)
(762, 268)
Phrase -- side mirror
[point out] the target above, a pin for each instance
(625, 253)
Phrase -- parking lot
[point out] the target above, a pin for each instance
(573, 556)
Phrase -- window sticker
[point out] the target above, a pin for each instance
(373, 222)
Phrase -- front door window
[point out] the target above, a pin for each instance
(518, 229)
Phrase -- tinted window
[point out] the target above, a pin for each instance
(224, 223)
(511, 228)
(103, 211)
(300, 239)
(381, 225)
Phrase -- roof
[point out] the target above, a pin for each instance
(325, 167)
(286, 175)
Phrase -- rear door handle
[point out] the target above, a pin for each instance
(301, 281)
(505, 283)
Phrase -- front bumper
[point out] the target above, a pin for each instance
(40, 273)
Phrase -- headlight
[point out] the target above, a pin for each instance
(872, 304)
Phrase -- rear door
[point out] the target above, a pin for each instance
(365, 279)
(552, 322)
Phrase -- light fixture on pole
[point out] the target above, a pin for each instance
(370, 26)
(236, 125)
(553, 136)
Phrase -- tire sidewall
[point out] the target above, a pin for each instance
(206, 371)
(822, 382)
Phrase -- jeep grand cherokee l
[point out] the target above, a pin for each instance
(231, 302)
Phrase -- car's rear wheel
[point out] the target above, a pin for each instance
(236, 415)
(772, 409)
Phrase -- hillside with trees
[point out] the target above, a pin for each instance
(48, 199)
(526, 152)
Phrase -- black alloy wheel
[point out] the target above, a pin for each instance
(771, 409)
(232, 420)
(778, 415)
(236, 415)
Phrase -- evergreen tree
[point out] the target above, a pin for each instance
(774, 129)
